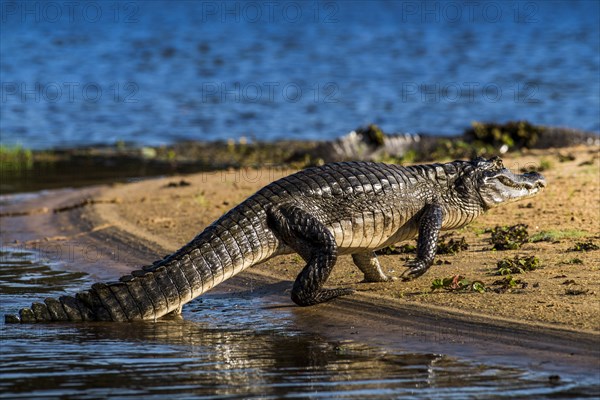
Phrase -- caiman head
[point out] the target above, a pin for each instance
(496, 184)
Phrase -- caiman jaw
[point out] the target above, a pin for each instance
(531, 181)
(499, 185)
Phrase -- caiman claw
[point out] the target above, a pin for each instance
(415, 269)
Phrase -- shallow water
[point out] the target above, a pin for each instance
(226, 347)
(154, 72)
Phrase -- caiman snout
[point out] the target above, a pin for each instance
(535, 179)
(505, 187)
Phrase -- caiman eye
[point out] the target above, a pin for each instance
(497, 163)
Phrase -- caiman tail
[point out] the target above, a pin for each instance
(224, 249)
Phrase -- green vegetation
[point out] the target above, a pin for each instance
(15, 158)
(452, 246)
(544, 165)
(556, 235)
(585, 246)
(514, 134)
(484, 139)
(457, 283)
(517, 265)
(411, 156)
(200, 199)
(507, 283)
(480, 140)
(403, 249)
(573, 261)
(451, 149)
(374, 134)
(509, 237)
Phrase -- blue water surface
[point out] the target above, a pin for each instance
(155, 72)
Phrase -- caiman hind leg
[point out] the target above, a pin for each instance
(369, 265)
(430, 225)
(302, 232)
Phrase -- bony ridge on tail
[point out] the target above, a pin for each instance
(320, 213)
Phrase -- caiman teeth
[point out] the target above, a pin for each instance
(524, 182)
(515, 184)
(541, 183)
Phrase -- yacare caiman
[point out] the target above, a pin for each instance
(320, 213)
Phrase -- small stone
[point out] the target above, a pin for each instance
(554, 378)
(11, 319)
(26, 315)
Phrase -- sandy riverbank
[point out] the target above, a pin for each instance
(560, 303)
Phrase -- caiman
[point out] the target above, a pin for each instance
(320, 213)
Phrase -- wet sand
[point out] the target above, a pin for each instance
(540, 324)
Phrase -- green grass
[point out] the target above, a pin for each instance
(200, 199)
(545, 165)
(573, 261)
(556, 235)
(15, 158)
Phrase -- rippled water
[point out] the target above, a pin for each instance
(226, 347)
(155, 72)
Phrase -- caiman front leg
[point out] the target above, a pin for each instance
(369, 265)
(430, 225)
(311, 239)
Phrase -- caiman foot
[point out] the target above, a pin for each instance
(429, 230)
(386, 278)
(369, 265)
(416, 268)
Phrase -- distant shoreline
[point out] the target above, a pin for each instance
(25, 170)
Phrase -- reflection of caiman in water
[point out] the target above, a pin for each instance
(319, 213)
(195, 359)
